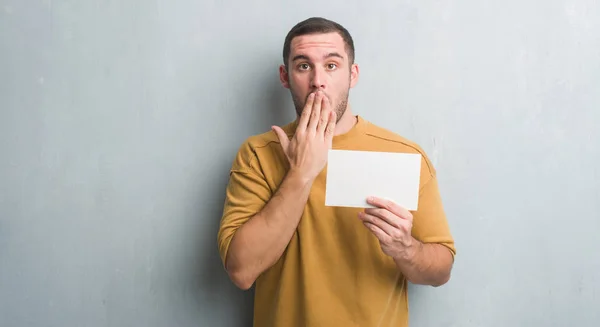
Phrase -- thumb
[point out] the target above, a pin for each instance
(283, 138)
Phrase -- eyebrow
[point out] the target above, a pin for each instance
(329, 55)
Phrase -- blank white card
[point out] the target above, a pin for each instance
(353, 176)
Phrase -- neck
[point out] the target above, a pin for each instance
(345, 124)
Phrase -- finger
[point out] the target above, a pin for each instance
(305, 117)
(316, 112)
(329, 132)
(378, 232)
(324, 119)
(377, 221)
(385, 215)
(283, 138)
(391, 206)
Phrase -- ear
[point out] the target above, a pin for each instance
(354, 72)
(284, 77)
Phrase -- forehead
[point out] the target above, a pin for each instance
(318, 43)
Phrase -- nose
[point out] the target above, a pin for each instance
(318, 79)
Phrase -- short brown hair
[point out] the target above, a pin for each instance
(318, 25)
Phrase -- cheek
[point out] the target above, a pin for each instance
(299, 80)
(299, 84)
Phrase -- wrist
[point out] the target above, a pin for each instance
(299, 177)
(410, 256)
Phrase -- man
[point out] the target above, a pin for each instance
(315, 265)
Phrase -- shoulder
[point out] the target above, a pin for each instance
(246, 153)
(265, 145)
(397, 143)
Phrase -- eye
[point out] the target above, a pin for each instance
(332, 66)
(303, 66)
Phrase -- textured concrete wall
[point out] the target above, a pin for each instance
(119, 121)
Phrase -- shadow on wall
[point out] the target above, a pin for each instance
(271, 105)
(256, 111)
(279, 109)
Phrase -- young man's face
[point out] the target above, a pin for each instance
(319, 62)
